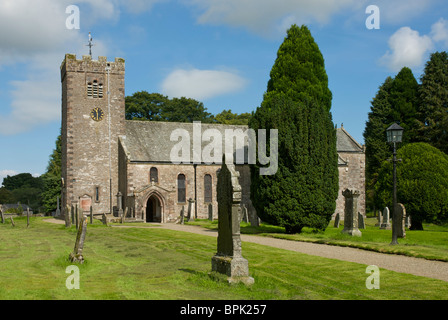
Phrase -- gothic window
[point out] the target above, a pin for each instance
(181, 188)
(207, 188)
(153, 175)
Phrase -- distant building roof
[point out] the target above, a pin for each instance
(346, 143)
(149, 141)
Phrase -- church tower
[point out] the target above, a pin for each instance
(93, 117)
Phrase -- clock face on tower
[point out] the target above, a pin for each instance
(97, 114)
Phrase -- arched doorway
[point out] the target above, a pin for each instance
(153, 209)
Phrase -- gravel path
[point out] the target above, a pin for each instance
(398, 263)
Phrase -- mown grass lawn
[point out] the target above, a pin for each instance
(154, 263)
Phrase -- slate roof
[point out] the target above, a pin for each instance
(346, 143)
(149, 141)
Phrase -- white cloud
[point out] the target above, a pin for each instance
(439, 31)
(265, 16)
(201, 84)
(407, 49)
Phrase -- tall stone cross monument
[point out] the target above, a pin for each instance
(228, 259)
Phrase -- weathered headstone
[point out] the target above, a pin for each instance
(336, 220)
(254, 220)
(210, 212)
(351, 212)
(182, 215)
(400, 214)
(380, 219)
(228, 259)
(12, 222)
(1, 214)
(68, 218)
(123, 220)
(408, 221)
(244, 215)
(76, 256)
(191, 213)
(361, 221)
(386, 223)
(120, 204)
(58, 210)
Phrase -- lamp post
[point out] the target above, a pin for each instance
(394, 136)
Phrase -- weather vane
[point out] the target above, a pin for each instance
(90, 45)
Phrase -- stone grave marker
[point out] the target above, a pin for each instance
(380, 219)
(1, 214)
(12, 222)
(336, 220)
(76, 256)
(228, 259)
(386, 223)
(182, 215)
(351, 212)
(210, 212)
(191, 213)
(408, 221)
(400, 213)
(361, 221)
(68, 218)
(58, 210)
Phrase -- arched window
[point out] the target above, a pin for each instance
(207, 188)
(153, 175)
(181, 188)
(95, 89)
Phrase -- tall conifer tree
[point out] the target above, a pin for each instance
(304, 189)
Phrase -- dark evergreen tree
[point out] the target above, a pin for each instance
(433, 110)
(396, 101)
(297, 103)
(52, 179)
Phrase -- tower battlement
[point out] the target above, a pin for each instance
(71, 63)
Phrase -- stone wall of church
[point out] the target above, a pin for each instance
(352, 176)
(139, 187)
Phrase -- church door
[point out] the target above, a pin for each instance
(153, 210)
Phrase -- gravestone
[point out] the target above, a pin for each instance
(76, 256)
(408, 221)
(191, 213)
(12, 222)
(244, 215)
(254, 220)
(210, 212)
(380, 219)
(361, 221)
(351, 212)
(400, 213)
(182, 215)
(386, 223)
(228, 259)
(336, 220)
(58, 210)
(1, 214)
(68, 218)
(120, 204)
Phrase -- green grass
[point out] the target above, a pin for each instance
(155, 263)
(432, 243)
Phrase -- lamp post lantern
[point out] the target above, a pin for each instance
(394, 136)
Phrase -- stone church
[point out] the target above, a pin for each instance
(112, 164)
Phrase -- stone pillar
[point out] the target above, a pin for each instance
(191, 213)
(228, 259)
(351, 212)
(336, 220)
(120, 204)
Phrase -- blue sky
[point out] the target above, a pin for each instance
(218, 52)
